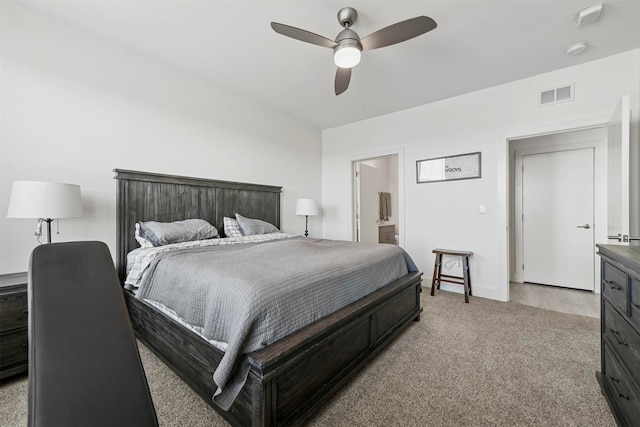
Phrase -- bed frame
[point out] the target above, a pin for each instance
(290, 379)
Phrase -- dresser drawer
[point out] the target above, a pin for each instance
(614, 286)
(14, 347)
(622, 392)
(13, 310)
(621, 337)
(635, 303)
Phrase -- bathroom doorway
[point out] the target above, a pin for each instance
(376, 200)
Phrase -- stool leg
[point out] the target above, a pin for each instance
(469, 276)
(436, 274)
(467, 281)
(439, 270)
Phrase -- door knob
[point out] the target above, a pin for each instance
(586, 226)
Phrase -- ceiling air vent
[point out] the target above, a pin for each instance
(555, 96)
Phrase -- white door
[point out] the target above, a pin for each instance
(618, 137)
(368, 203)
(557, 222)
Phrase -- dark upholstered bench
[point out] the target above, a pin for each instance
(84, 365)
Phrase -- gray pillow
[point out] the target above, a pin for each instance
(164, 233)
(250, 226)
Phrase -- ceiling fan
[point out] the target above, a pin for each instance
(348, 46)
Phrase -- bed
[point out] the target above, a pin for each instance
(290, 378)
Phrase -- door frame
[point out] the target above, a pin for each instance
(599, 145)
(364, 156)
(622, 115)
(505, 173)
(357, 200)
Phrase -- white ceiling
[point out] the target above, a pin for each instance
(477, 44)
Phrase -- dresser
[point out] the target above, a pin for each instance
(14, 340)
(619, 377)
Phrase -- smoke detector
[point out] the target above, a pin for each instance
(576, 48)
(590, 14)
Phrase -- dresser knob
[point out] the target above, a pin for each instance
(624, 396)
(612, 284)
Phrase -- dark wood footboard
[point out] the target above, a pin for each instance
(292, 378)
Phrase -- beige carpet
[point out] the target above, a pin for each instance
(485, 363)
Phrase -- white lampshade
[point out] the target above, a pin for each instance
(306, 207)
(37, 199)
(346, 56)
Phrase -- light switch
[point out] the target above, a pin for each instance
(485, 208)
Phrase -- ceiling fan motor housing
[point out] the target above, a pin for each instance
(348, 37)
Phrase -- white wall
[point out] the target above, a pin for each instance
(73, 108)
(446, 214)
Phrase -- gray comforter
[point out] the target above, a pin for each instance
(253, 294)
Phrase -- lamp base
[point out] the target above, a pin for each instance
(49, 221)
(38, 231)
(306, 225)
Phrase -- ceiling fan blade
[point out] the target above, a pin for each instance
(343, 77)
(398, 32)
(302, 35)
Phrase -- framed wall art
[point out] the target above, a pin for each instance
(462, 166)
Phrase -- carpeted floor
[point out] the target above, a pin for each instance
(485, 363)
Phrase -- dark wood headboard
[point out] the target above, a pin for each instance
(144, 196)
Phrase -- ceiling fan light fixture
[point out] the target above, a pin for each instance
(346, 55)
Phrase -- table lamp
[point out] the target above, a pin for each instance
(44, 201)
(306, 207)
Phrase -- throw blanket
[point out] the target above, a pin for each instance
(253, 294)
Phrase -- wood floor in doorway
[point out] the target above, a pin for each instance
(564, 300)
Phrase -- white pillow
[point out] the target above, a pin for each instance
(144, 243)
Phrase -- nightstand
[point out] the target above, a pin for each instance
(14, 340)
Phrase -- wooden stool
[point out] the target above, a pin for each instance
(465, 280)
